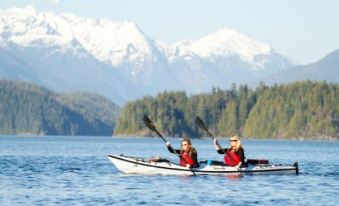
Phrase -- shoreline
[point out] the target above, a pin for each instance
(299, 139)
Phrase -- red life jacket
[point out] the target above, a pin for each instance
(185, 159)
(231, 158)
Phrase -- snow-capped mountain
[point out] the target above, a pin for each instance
(228, 42)
(66, 52)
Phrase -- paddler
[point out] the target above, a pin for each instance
(234, 155)
(188, 154)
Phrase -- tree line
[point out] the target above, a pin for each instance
(298, 110)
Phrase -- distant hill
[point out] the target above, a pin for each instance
(326, 69)
(27, 109)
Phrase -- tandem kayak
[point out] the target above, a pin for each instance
(137, 165)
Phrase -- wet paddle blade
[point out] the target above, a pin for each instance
(152, 127)
(200, 123)
(149, 123)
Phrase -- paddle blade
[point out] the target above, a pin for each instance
(149, 123)
(200, 123)
(152, 127)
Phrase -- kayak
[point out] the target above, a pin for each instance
(158, 166)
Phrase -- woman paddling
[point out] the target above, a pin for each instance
(234, 155)
(188, 154)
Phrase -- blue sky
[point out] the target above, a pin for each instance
(303, 30)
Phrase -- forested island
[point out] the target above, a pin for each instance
(298, 110)
(27, 109)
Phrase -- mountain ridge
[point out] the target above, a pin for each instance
(325, 69)
(119, 61)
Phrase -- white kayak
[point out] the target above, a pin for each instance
(136, 165)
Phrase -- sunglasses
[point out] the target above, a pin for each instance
(233, 140)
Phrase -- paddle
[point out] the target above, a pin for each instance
(202, 125)
(152, 127)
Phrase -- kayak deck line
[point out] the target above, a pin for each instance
(136, 165)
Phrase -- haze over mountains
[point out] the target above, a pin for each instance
(326, 69)
(118, 60)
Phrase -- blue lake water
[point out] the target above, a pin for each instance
(76, 171)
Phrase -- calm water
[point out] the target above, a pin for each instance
(76, 171)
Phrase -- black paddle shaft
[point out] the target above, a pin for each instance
(202, 125)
